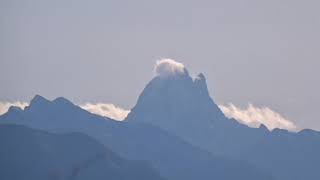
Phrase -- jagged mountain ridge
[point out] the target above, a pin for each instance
(178, 112)
(183, 106)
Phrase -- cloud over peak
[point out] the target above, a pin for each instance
(169, 67)
(255, 116)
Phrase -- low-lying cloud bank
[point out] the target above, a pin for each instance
(107, 110)
(102, 109)
(251, 116)
(255, 116)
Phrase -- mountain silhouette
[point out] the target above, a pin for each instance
(170, 155)
(182, 106)
(27, 153)
(178, 128)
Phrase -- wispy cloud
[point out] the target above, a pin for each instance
(255, 116)
(107, 110)
(4, 106)
(252, 116)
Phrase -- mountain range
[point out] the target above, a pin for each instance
(175, 127)
(36, 154)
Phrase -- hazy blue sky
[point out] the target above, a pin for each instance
(265, 53)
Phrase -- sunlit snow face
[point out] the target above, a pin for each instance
(168, 67)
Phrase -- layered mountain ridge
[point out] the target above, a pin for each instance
(168, 154)
(36, 154)
(177, 127)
